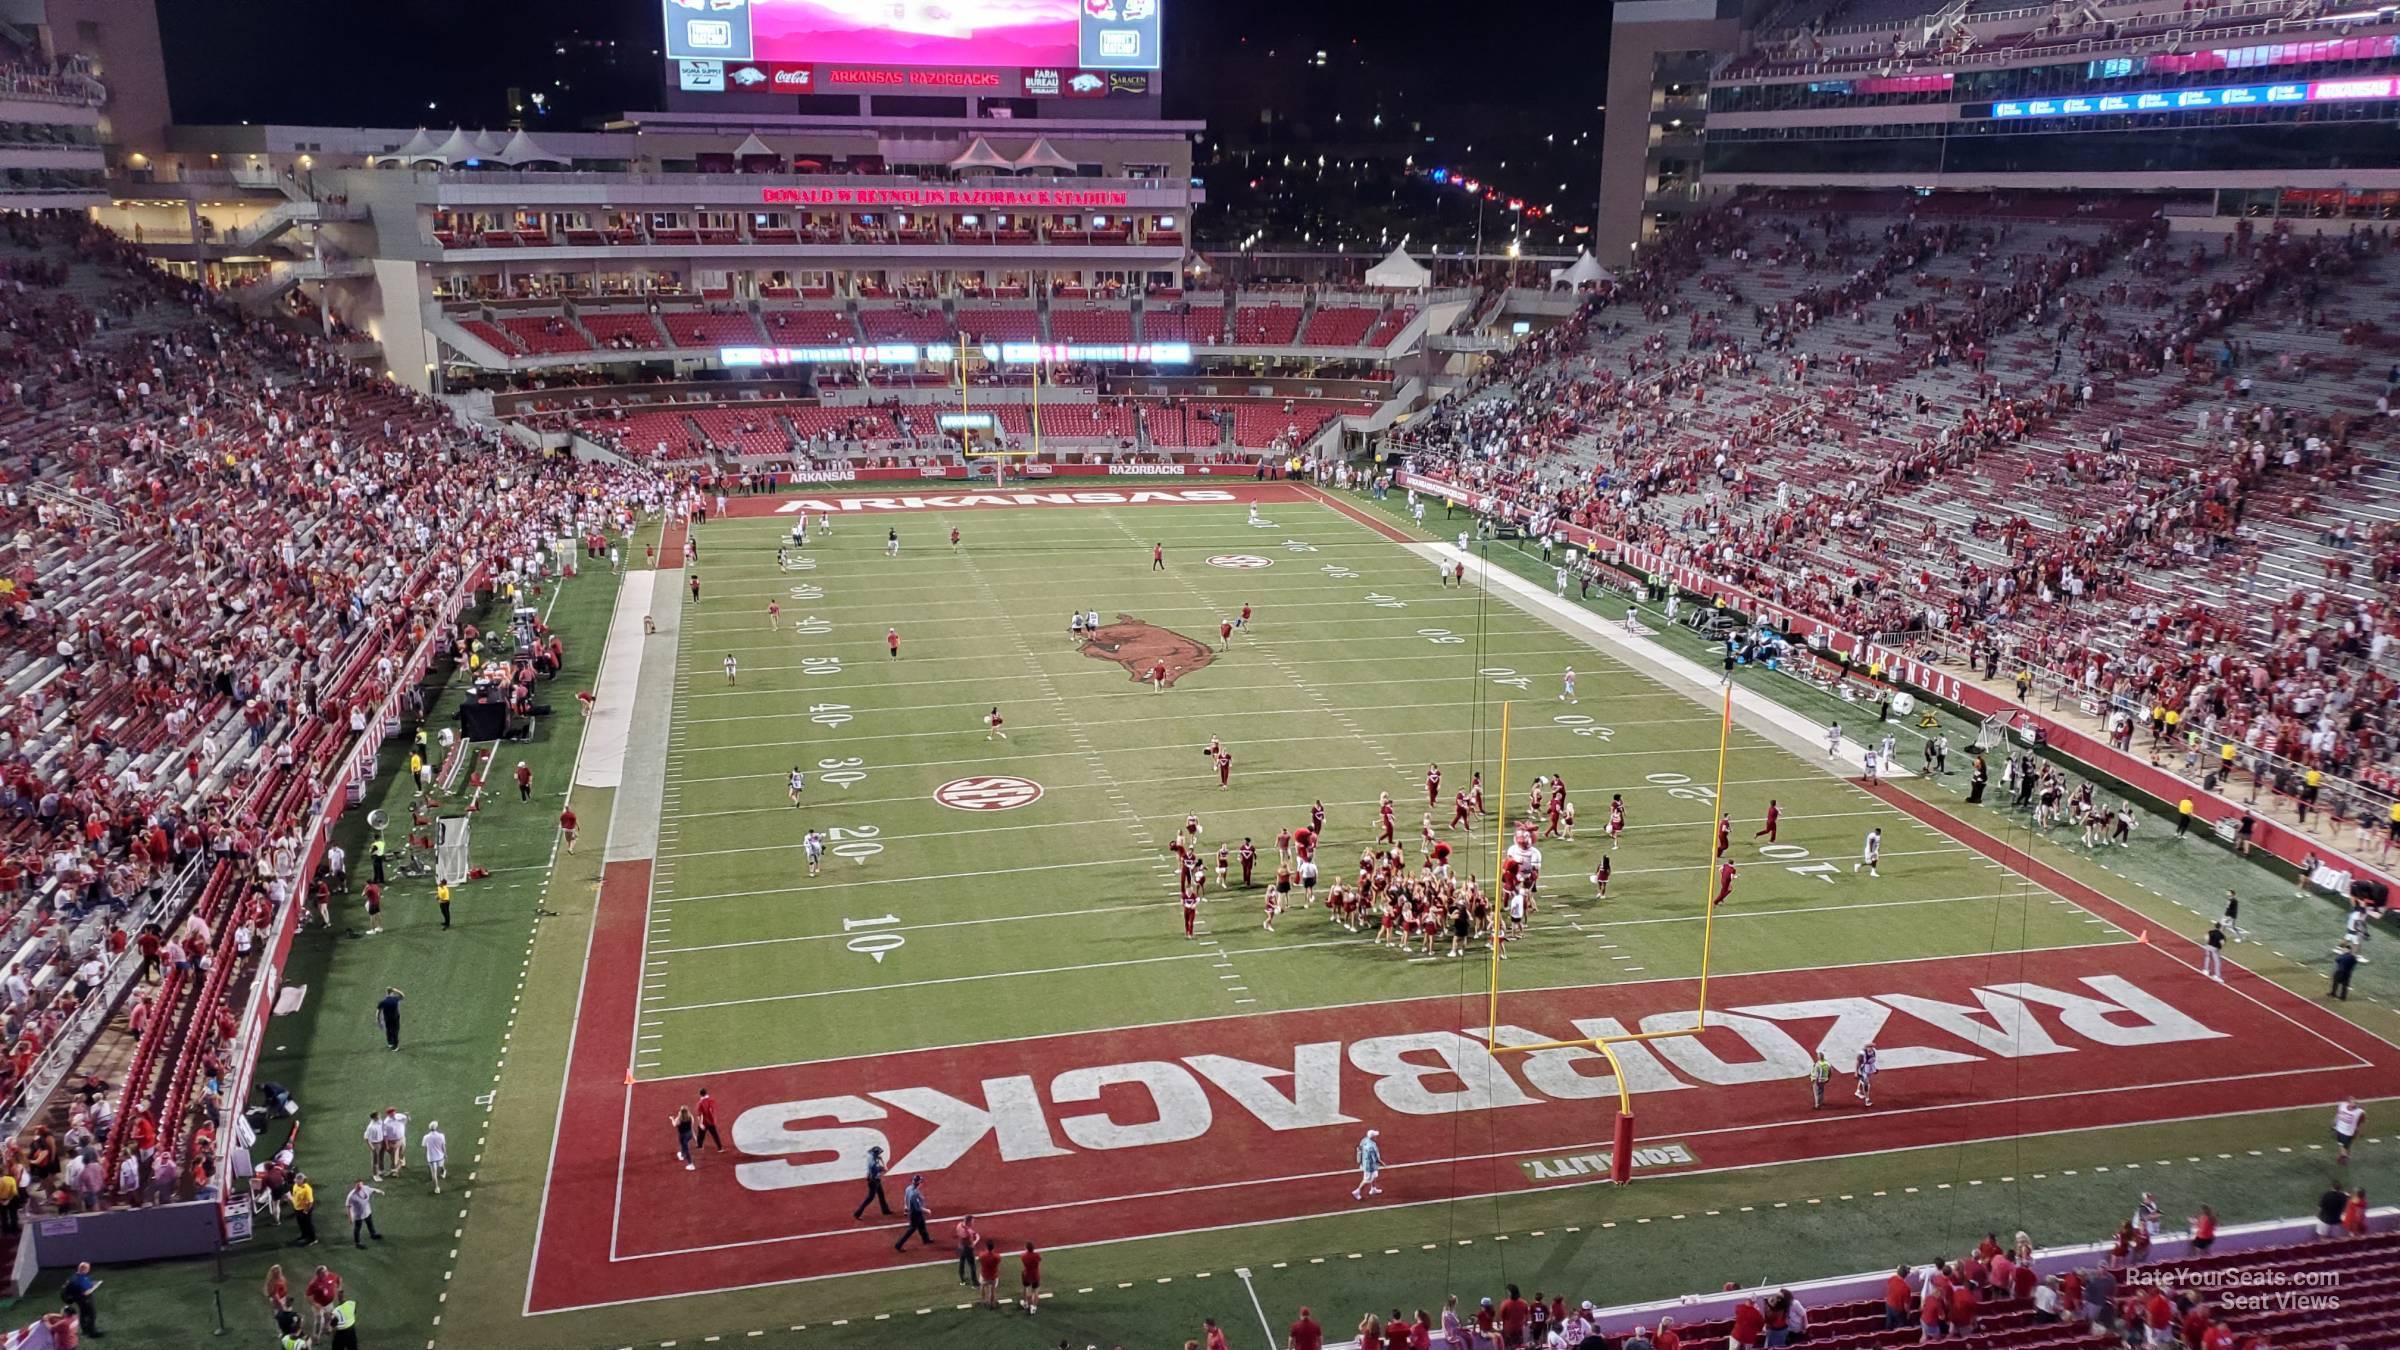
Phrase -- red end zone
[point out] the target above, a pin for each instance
(1100, 1136)
(1042, 492)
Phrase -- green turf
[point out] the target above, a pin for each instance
(995, 622)
(1061, 916)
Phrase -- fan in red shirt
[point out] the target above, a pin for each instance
(1895, 1300)
(1306, 1334)
(2158, 1313)
(1749, 1325)
(1963, 1301)
(1513, 1314)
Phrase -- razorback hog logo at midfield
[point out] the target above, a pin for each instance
(1139, 645)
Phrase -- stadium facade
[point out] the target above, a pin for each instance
(2239, 110)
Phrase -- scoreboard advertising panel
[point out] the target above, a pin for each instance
(1001, 48)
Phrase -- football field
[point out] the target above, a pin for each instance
(987, 976)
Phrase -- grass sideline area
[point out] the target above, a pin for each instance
(998, 616)
(457, 1035)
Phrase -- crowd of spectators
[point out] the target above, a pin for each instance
(1882, 476)
(1997, 1293)
(220, 548)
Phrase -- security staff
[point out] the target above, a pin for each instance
(874, 1184)
(913, 1200)
(345, 1324)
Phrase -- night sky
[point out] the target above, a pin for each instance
(1521, 90)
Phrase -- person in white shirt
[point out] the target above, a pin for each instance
(2348, 1117)
(376, 1152)
(395, 1136)
(1872, 852)
(437, 1153)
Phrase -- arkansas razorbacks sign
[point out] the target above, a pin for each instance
(1141, 647)
(1097, 1136)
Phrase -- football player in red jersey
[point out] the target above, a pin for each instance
(1724, 883)
(1774, 817)
(1724, 834)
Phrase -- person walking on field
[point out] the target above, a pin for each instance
(1029, 1275)
(912, 1200)
(360, 1204)
(2212, 953)
(684, 1129)
(1370, 1166)
(436, 1147)
(1820, 1072)
(875, 1194)
(387, 1011)
(967, 1238)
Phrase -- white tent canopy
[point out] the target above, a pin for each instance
(754, 148)
(1399, 272)
(456, 150)
(1586, 270)
(485, 146)
(1043, 155)
(419, 146)
(522, 150)
(981, 155)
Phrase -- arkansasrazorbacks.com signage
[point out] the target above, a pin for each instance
(1025, 198)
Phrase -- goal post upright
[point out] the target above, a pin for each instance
(1621, 1153)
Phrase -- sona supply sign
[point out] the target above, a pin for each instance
(919, 35)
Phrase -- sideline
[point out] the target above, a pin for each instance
(1702, 685)
(610, 726)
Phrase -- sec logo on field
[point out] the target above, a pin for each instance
(988, 792)
(1240, 562)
